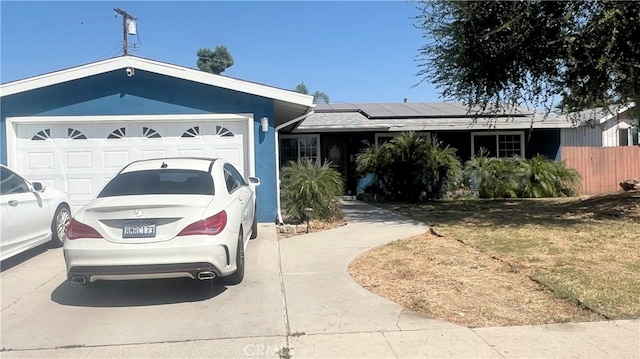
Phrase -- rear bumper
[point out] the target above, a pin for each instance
(97, 259)
(125, 272)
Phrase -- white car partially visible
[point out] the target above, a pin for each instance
(165, 218)
(31, 214)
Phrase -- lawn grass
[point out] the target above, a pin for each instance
(585, 252)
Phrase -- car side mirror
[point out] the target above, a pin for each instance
(37, 186)
(254, 181)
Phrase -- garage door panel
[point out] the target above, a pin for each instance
(82, 160)
(39, 161)
(191, 153)
(82, 157)
(115, 159)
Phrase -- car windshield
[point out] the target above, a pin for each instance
(159, 182)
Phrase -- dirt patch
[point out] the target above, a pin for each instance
(290, 230)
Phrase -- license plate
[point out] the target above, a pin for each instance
(139, 229)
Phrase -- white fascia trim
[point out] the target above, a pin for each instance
(613, 115)
(130, 118)
(156, 67)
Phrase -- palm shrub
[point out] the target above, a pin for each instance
(441, 168)
(537, 177)
(305, 184)
(492, 177)
(541, 177)
(410, 167)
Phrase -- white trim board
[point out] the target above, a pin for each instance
(137, 63)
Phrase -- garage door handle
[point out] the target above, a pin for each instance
(13, 203)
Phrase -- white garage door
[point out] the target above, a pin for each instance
(80, 157)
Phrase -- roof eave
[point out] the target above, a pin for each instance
(122, 62)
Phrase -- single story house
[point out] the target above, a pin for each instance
(75, 128)
(338, 132)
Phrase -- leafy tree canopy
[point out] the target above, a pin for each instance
(488, 53)
(318, 96)
(214, 61)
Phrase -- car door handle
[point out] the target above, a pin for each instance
(13, 203)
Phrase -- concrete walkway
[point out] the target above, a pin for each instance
(330, 316)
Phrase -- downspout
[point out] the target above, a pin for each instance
(277, 134)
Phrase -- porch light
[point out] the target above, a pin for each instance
(264, 124)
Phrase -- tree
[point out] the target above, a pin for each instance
(216, 61)
(490, 53)
(318, 96)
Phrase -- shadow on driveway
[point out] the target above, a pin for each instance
(24, 256)
(136, 292)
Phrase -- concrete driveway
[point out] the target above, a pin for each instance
(297, 300)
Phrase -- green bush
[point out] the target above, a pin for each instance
(537, 177)
(410, 167)
(542, 177)
(306, 185)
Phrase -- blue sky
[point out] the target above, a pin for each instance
(358, 51)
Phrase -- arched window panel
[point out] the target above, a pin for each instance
(223, 132)
(42, 135)
(149, 132)
(118, 133)
(74, 134)
(192, 132)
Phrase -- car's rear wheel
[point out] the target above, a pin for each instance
(59, 225)
(238, 275)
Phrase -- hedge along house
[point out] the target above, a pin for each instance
(338, 132)
(74, 129)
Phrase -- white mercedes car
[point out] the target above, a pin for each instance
(31, 214)
(165, 218)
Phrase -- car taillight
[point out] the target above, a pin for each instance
(210, 226)
(77, 230)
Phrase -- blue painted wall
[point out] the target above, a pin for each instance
(146, 93)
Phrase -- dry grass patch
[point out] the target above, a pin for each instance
(514, 262)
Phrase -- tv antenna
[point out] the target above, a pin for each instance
(128, 27)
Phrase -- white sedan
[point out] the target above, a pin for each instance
(165, 218)
(31, 214)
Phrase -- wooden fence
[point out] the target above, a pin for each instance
(603, 168)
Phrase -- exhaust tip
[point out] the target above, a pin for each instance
(78, 279)
(206, 275)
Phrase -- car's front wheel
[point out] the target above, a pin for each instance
(238, 275)
(59, 225)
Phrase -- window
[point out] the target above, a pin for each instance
(623, 137)
(294, 148)
(498, 144)
(10, 183)
(233, 178)
(150, 182)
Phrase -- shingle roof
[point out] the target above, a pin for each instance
(421, 117)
